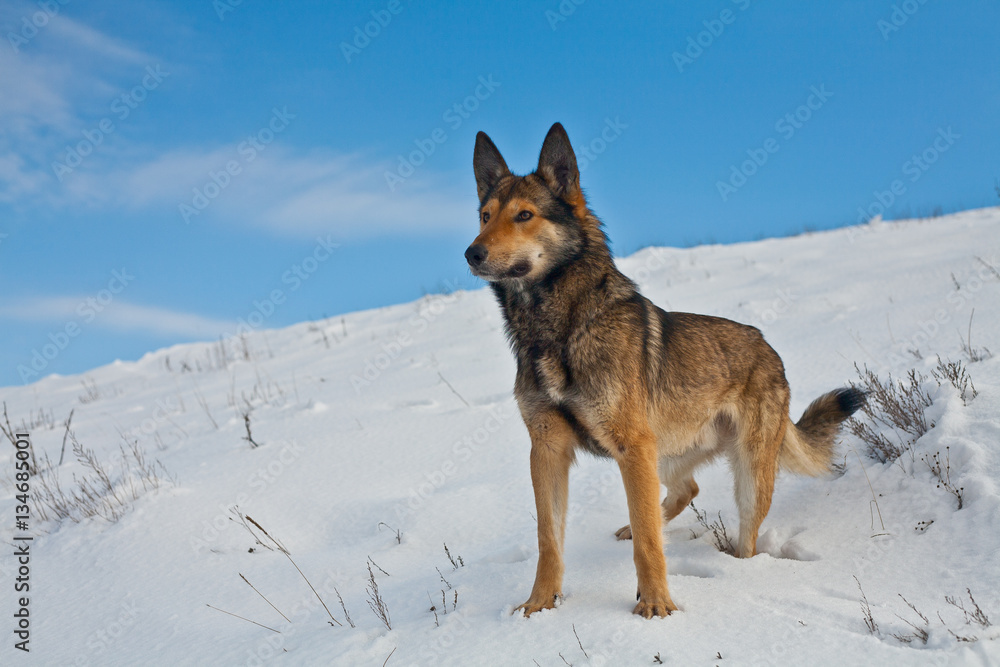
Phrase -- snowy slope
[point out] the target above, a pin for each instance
(402, 419)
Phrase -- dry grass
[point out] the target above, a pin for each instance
(867, 611)
(956, 374)
(104, 490)
(973, 616)
(897, 405)
(218, 357)
(718, 529)
(975, 354)
(942, 471)
(375, 600)
(264, 539)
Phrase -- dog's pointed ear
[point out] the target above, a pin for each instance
(488, 164)
(557, 165)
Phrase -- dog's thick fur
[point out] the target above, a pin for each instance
(600, 368)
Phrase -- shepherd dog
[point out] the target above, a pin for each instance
(602, 369)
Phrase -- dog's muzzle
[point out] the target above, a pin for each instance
(476, 254)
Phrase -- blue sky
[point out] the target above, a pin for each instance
(169, 170)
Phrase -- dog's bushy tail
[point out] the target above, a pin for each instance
(808, 445)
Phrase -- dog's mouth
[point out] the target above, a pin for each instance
(517, 270)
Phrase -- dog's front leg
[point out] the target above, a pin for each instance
(552, 443)
(642, 489)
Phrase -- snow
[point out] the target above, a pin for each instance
(387, 434)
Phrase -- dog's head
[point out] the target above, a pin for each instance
(528, 225)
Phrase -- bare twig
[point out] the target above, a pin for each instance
(242, 618)
(378, 566)
(246, 422)
(7, 428)
(204, 405)
(399, 536)
(874, 499)
(989, 266)
(264, 598)
(973, 353)
(282, 549)
(344, 607)
(976, 615)
(580, 642)
(453, 390)
(866, 608)
(235, 511)
(918, 632)
(69, 420)
(455, 565)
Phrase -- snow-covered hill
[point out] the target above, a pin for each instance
(390, 449)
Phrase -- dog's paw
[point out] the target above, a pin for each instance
(649, 609)
(533, 605)
(624, 533)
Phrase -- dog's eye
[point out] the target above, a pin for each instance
(524, 215)
(486, 217)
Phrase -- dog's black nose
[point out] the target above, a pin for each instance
(476, 255)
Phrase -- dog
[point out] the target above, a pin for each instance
(600, 368)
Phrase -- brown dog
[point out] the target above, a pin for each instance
(600, 368)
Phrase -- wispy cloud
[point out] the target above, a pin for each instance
(52, 86)
(119, 316)
(60, 85)
(98, 43)
(286, 191)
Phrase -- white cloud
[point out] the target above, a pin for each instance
(282, 190)
(63, 28)
(62, 82)
(52, 86)
(119, 316)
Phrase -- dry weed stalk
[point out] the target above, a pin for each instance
(375, 601)
(895, 404)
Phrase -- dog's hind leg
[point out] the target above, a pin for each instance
(552, 445)
(676, 474)
(754, 465)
